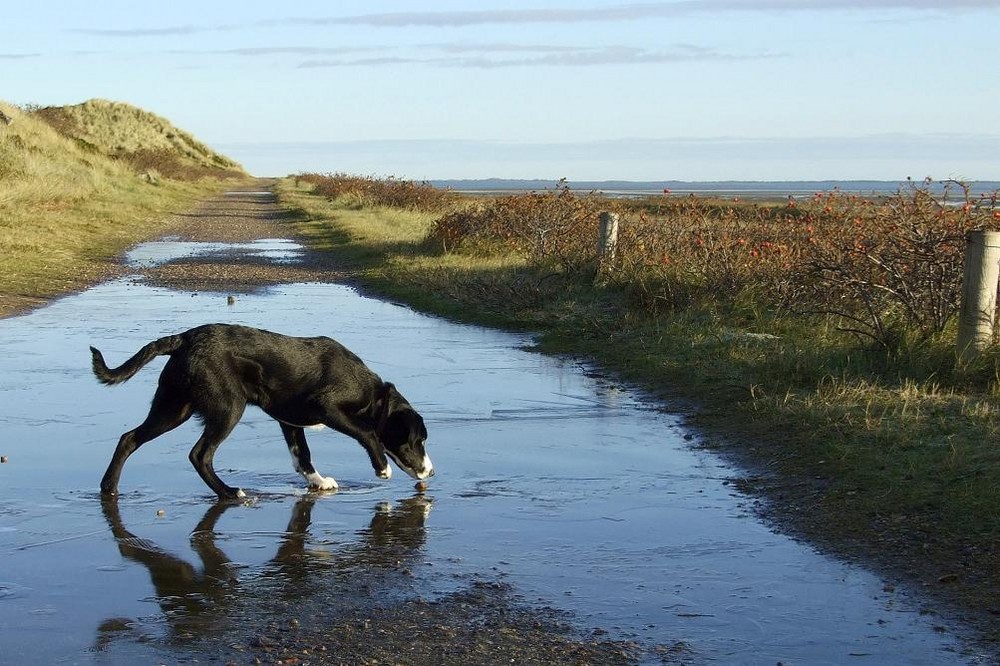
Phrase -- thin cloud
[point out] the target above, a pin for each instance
(484, 56)
(169, 31)
(18, 56)
(360, 62)
(611, 13)
(630, 12)
(614, 55)
(293, 50)
(836, 5)
(500, 47)
(480, 17)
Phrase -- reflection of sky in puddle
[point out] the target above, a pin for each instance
(566, 486)
(148, 255)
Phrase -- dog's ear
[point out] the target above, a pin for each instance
(389, 399)
(380, 402)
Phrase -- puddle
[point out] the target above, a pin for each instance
(567, 487)
(277, 250)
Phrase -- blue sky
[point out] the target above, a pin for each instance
(681, 90)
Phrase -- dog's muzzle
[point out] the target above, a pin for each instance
(426, 469)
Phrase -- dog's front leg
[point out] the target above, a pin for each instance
(376, 455)
(295, 437)
(363, 433)
(339, 421)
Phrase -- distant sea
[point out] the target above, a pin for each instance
(726, 189)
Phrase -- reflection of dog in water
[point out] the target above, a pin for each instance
(215, 370)
(199, 602)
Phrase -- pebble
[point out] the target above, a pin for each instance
(161, 513)
(420, 486)
(3, 459)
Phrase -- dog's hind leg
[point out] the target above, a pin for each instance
(295, 437)
(217, 428)
(165, 414)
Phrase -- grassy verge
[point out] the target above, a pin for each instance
(65, 246)
(894, 460)
(66, 210)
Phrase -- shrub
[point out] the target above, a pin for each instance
(891, 270)
(555, 227)
(371, 191)
(886, 269)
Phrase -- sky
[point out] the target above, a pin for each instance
(544, 89)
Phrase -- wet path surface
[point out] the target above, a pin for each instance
(565, 488)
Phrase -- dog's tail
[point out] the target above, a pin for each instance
(127, 370)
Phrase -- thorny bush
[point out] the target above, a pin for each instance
(892, 269)
(886, 269)
(373, 191)
(555, 228)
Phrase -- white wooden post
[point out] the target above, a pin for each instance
(979, 292)
(608, 239)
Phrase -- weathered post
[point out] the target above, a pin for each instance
(979, 292)
(608, 239)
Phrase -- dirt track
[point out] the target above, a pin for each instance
(241, 216)
(485, 623)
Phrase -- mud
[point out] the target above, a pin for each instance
(570, 521)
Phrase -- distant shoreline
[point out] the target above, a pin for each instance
(741, 188)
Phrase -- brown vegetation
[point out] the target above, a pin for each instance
(888, 270)
(364, 191)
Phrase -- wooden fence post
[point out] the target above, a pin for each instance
(979, 292)
(607, 240)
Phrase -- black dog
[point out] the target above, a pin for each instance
(215, 370)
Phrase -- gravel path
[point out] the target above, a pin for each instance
(241, 215)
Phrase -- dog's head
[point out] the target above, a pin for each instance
(403, 434)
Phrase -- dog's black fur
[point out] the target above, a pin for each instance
(215, 370)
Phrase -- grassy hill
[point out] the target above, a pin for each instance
(72, 199)
(144, 140)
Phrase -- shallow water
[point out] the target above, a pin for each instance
(567, 486)
(275, 250)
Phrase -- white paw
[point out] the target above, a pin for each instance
(385, 474)
(320, 482)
